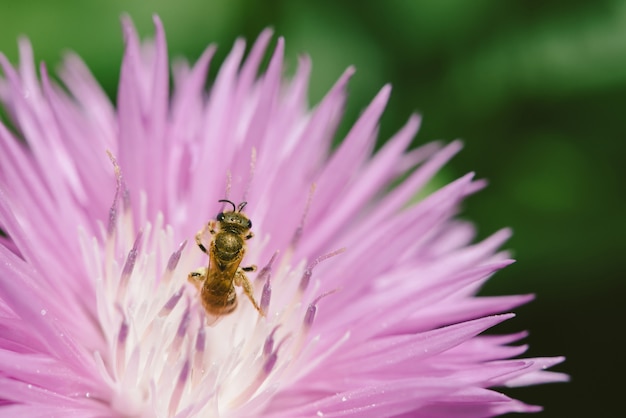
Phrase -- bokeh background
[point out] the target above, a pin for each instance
(536, 88)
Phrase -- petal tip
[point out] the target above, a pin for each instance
(158, 23)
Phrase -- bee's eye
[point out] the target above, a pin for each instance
(220, 216)
(249, 224)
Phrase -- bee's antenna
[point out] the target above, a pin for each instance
(241, 206)
(228, 201)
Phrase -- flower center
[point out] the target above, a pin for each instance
(162, 354)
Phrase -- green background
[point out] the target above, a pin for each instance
(537, 89)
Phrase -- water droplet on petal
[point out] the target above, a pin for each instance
(43, 312)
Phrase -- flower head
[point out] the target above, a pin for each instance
(369, 300)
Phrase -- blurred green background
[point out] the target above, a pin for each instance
(537, 89)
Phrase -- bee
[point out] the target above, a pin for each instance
(216, 283)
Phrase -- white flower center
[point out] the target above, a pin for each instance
(162, 354)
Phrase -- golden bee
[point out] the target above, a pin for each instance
(216, 283)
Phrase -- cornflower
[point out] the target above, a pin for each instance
(369, 300)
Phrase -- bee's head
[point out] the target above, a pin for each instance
(234, 218)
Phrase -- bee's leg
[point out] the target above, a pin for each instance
(211, 226)
(197, 277)
(250, 235)
(242, 280)
(199, 241)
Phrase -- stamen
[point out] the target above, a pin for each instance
(181, 332)
(265, 275)
(198, 356)
(177, 393)
(120, 189)
(298, 233)
(173, 261)
(269, 364)
(309, 317)
(306, 276)
(112, 216)
(129, 265)
(171, 303)
(116, 197)
(311, 311)
(269, 342)
(265, 371)
(266, 295)
(120, 352)
(125, 199)
(252, 170)
(229, 181)
(267, 270)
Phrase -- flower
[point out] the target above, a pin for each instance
(370, 301)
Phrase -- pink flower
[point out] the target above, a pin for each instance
(370, 299)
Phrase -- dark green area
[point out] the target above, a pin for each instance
(537, 89)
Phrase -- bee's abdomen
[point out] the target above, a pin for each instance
(219, 303)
